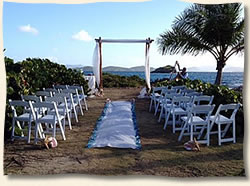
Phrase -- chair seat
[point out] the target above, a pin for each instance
(196, 120)
(223, 119)
(61, 111)
(178, 110)
(49, 118)
(24, 117)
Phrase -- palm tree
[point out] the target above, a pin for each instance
(217, 29)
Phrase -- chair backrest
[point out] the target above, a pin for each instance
(187, 90)
(59, 100)
(181, 87)
(32, 98)
(68, 96)
(56, 99)
(50, 90)
(158, 89)
(78, 87)
(48, 106)
(233, 107)
(203, 100)
(72, 91)
(172, 95)
(181, 101)
(44, 93)
(165, 92)
(193, 94)
(24, 105)
(205, 110)
(60, 87)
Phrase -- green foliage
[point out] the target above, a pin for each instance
(33, 74)
(111, 80)
(222, 95)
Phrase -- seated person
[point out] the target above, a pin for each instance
(181, 74)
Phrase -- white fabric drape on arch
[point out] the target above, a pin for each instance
(147, 67)
(96, 64)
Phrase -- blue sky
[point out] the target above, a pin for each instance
(65, 33)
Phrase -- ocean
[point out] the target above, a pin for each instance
(230, 79)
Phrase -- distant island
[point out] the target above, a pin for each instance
(165, 69)
(114, 68)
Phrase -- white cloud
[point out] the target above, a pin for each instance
(82, 36)
(28, 28)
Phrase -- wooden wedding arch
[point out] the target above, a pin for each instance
(147, 41)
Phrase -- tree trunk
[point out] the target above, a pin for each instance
(220, 66)
(218, 77)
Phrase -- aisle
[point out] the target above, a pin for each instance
(116, 127)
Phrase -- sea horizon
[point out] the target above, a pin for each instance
(230, 79)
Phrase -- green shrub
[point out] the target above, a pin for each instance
(111, 80)
(31, 75)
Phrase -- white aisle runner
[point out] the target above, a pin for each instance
(116, 127)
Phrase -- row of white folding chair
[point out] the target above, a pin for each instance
(156, 93)
(75, 97)
(31, 114)
(72, 104)
(156, 97)
(162, 99)
(43, 95)
(73, 101)
(166, 102)
(82, 97)
(61, 103)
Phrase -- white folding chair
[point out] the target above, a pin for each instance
(21, 119)
(154, 95)
(70, 102)
(227, 121)
(81, 94)
(51, 119)
(178, 108)
(62, 107)
(194, 119)
(162, 98)
(166, 103)
(76, 99)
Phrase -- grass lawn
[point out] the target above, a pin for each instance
(161, 153)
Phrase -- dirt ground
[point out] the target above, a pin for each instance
(161, 153)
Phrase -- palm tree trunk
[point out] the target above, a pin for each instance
(220, 65)
(218, 77)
